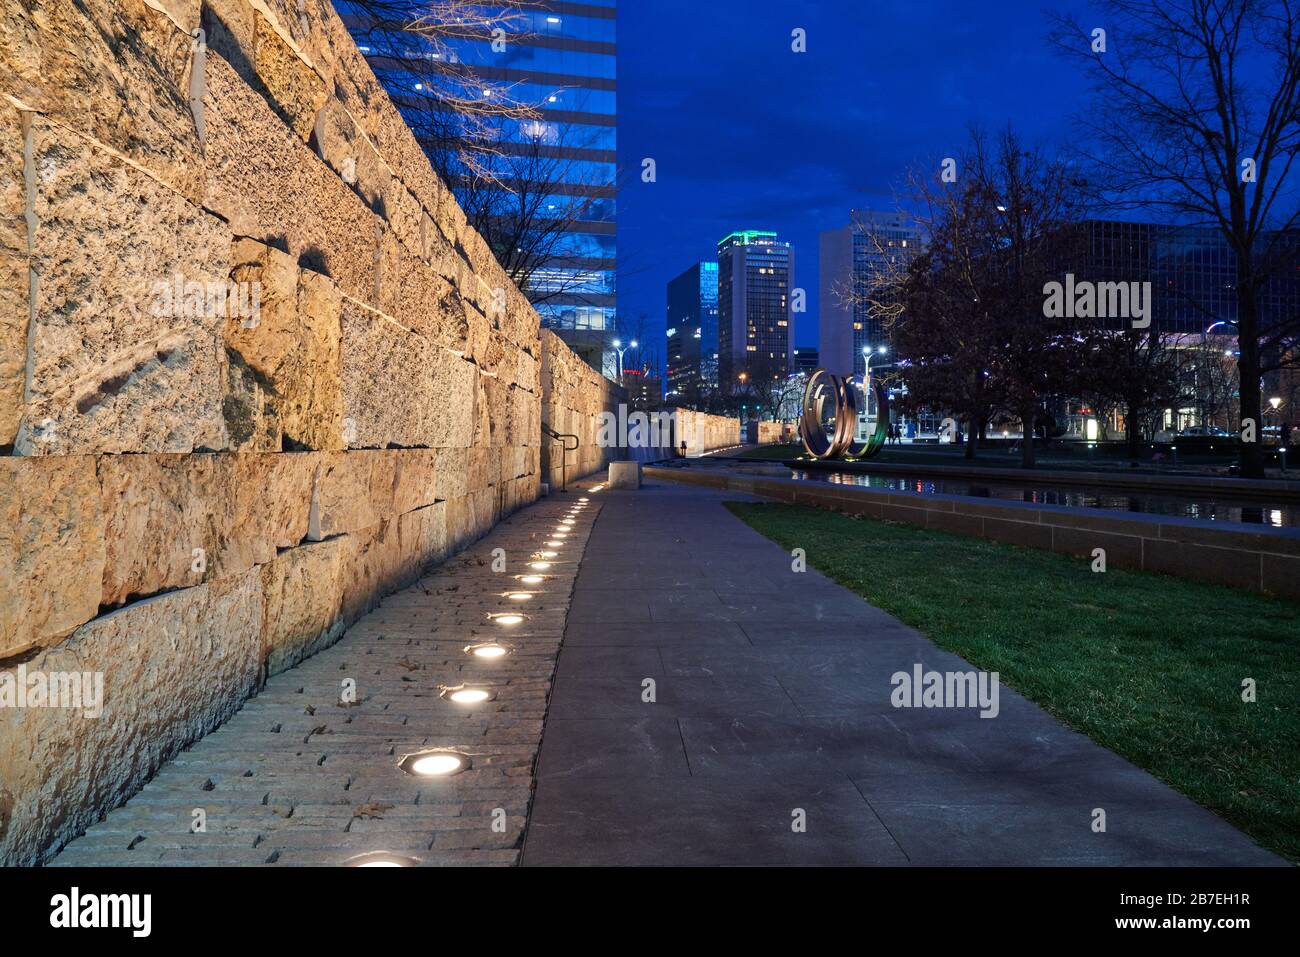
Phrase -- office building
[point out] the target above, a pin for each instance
(692, 311)
(806, 359)
(857, 263)
(755, 328)
(560, 58)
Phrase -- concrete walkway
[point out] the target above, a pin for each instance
(772, 705)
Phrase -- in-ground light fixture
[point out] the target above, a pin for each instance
(508, 619)
(487, 649)
(468, 694)
(435, 763)
(381, 859)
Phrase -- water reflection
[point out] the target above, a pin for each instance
(1223, 510)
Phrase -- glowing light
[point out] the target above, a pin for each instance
(381, 859)
(520, 596)
(470, 695)
(507, 620)
(539, 566)
(533, 579)
(487, 651)
(435, 764)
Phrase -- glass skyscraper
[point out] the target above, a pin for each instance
(693, 332)
(560, 58)
(755, 279)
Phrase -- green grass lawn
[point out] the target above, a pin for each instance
(1148, 666)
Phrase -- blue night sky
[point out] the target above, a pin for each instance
(748, 134)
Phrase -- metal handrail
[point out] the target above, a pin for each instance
(564, 456)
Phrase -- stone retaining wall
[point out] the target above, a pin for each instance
(197, 494)
(1241, 556)
(573, 397)
(705, 433)
(767, 433)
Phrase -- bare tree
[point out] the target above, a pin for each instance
(971, 334)
(1198, 115)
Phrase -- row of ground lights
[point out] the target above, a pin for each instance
(444, 762)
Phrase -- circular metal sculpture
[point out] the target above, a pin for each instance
(849, 396)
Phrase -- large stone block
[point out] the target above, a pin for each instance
(372, 564)
(399, 389)
(113, 70)
(51, 549)
(270, 186)
(294, 90)
(347, 151)
(166, 517)
(14, 273)
(355, 490)
(119, 362)
(272, 506)
(420, 299)
(291, 346)
(173, 668)
(303, 588)
(423, 535)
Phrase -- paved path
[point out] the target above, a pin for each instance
(772, 696)
(296, 777)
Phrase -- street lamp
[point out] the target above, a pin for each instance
(866, 351)
(618, 345)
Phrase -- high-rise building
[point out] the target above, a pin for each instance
(692, 364)
(559, 57)
(806, 359)
(855, 260)
(755, 331)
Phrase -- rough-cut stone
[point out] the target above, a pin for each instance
(14, 282)
(401, 390)
(355, 490)
(166, 519)
(113, 70)
(304, 602)
(174, 667)
(174, 521)
(279, 470)
(420, 299)
(118, 364)
(293, 88)
(51, 549)
(272, 495)
(342, 145)
(625, 475)
(269, 185)
(575, 395)
(372, 560)
(291, 345)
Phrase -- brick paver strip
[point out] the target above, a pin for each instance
(298, 777)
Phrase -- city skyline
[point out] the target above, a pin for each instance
(785, 169)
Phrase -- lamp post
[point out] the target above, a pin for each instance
(866, 351)
(620, 348)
